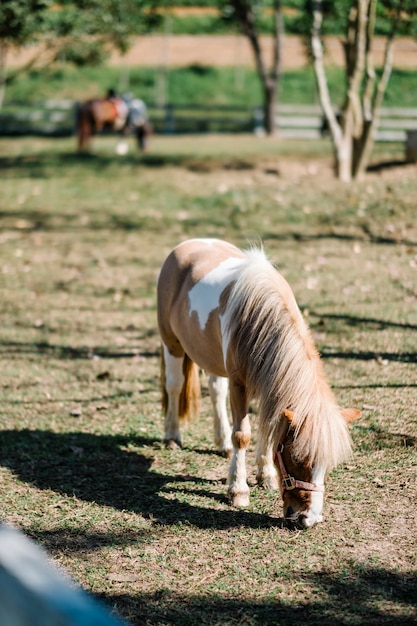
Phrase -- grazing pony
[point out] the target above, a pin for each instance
(232, 314)
(124, 115)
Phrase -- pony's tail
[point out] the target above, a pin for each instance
(189, 404)
(189, 401)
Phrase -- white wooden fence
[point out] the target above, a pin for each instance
(33, 592)
(306, 122)
(51, 117)
(294, 121)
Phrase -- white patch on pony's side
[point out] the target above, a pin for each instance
(204, 297)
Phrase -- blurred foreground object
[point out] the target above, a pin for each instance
(34, 592)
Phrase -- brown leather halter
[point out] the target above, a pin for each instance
(289, 482)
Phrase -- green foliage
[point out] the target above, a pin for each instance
(108, 21)
(21, 21)
(115, 21)
(205, 24)
(296, 15)
(81, 52)
(79, 31)
(336, 14)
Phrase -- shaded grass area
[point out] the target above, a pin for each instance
(363, 586)
(82, 464)
(109, 471)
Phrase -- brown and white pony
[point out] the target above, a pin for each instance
(232, 314)
(117, 114)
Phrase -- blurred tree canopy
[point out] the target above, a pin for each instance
(76, 31)
(336, 17)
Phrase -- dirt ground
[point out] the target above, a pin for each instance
(232, 50)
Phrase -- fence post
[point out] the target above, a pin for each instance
(169, 119)
(258, 121)
(411, 146)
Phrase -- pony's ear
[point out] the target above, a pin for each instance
(289, 415)
(350, 415)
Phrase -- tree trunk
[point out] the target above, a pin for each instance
(3, 53)
(353, 135)
(373, 105)
(269, 78)
(343, 159)
(270, 107)
(341, 148)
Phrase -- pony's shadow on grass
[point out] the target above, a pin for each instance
(364, 595)
(110, 471)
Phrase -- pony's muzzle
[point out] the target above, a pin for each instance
(293, 518)
(297, 520)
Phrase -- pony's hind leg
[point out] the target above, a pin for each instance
(219, 387)
(172, 382)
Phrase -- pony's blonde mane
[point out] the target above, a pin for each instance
(283, 369)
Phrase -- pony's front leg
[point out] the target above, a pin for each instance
(267, 474)
(174, 380)
(219, 386)
(238, 490)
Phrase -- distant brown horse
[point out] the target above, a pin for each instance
(124, 115)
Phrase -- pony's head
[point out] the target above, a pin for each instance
(302, 479)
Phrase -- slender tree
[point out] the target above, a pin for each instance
(352, 129)
(246, 13)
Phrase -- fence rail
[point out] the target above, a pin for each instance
(306, 122)
(58, 118)
(51, 117)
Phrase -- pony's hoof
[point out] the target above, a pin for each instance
(171, 444)
(239, 500)
(226, 454)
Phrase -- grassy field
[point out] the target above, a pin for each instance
(82, 465)
(195, 84)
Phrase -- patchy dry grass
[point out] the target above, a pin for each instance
(82, 467)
